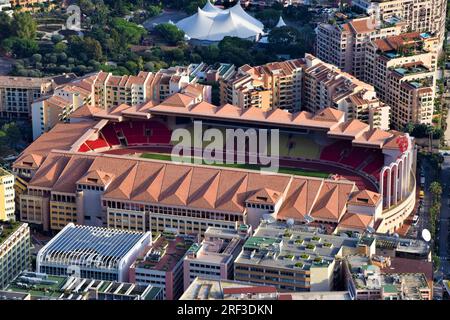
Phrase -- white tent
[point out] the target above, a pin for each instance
(213, 24)
(280, 23)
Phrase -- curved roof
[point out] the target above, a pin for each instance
(213, 24)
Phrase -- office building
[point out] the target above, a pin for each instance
(162, 264)
(214, 257)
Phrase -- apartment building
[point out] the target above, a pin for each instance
(7, 194)
(342, 42)
(325, 85)
(18, 93)
(214, 257)
(14, 250)
(70, 252)
(403, 71)
(276, 85)
(162, 264)
(419, 15)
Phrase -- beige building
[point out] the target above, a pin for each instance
(342, 41)
(325, 85)
(403, 71)
(7, 205)
(271, 86)
(18, 93)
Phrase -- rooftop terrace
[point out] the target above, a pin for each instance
(8, 228)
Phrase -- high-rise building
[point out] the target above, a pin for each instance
(343, 39)
(275, 85)
(403, 71)
(7, 193)
(15, 249)
(325, 85)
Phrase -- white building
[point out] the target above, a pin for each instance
(92, 252)
(7, 204)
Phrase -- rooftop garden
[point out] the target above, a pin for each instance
(310, 246)
(315, 238)
(327, 244)
(7, 228)
(304, 256)
(299, 265)
(299, 241)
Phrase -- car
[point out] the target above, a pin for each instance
(415, 220)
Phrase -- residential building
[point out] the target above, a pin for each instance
(15, 249)
(40, 286)
(325, 85)
(214, 257)
(403, 71)
(276, 85)
(92, 252)
(18, 93)
(162, 264)
(418, 15)
(294, 258)
(369, 279)
(342, 41)
(7, 194)
(207, 289)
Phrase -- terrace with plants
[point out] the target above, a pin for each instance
(8, 228)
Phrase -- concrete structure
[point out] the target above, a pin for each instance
(92, 252)
(40, 286)
(15, 249)
(294, 259)
(7, 193)
(214, 257)
(367, 280)
(207, 289)
(162, 265)
(403, 71)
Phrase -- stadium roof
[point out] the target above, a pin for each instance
(102, 248)
(213, 24)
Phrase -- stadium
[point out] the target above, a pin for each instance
(341, 175)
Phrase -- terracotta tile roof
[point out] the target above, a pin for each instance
(365, 198)
(352, 128)
(356, 221)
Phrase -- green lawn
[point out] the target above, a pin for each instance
(292, 171)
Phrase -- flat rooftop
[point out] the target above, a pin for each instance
(45, 287)
(7, 229)
(165, 253)
(275, 245)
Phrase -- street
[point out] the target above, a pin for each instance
(443, 232)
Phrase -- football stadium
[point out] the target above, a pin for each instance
(112, 168)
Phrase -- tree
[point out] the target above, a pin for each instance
(436, 190)
(283, 36)
(24, 25)
(5, 25)
(170, 33)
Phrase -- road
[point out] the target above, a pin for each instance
(443, 233)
